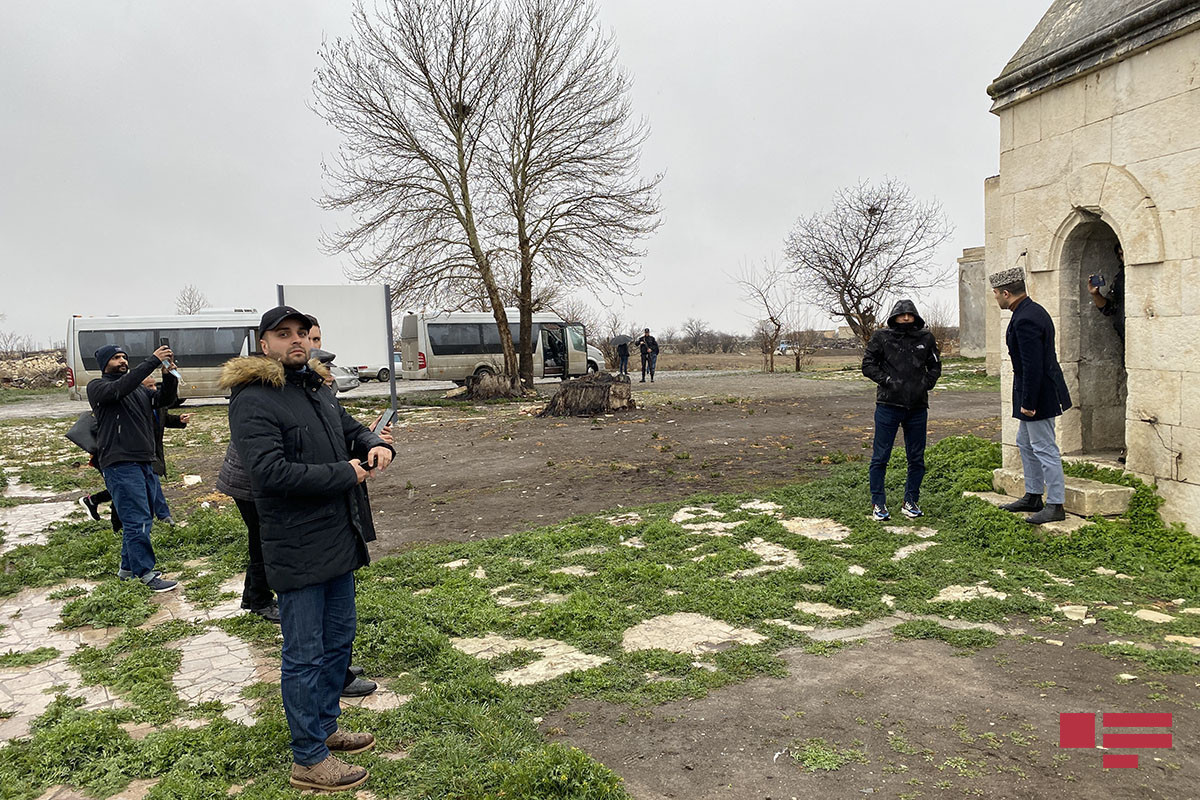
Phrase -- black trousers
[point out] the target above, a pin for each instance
(256, 593)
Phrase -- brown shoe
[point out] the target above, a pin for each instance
(349, 742)
(330, 775)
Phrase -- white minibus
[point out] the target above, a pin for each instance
(453, 346)
(201, 342)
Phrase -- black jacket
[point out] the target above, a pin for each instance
(904, 361)
(647, 344)
(232, 479)
(1038, 382)
(295, 440)
(124, 412)
(163, 419)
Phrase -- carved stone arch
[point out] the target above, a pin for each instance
(1110, 193)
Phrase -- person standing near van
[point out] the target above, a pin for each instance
(903, 360)
(125, 410)
(648, 347)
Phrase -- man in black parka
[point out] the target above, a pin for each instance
(1039, 394)
(302, 452)
(903, 359)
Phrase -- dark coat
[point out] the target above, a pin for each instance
(295, 442)
(163, 419)
(647, 344)
(124, 409)
(904, 361)
(1038, 382)
(232, 479)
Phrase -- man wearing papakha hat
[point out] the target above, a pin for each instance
(1039, 395)
(127, 449)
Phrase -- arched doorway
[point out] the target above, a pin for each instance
(1092, 248)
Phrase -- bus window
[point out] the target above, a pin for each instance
(204, 347)
(455, 339)
(138, 345)
(491, 337)
(575, 334)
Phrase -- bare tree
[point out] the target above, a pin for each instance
(190, 300)
(414, 93)
(566, 154)
(876, 242)
(769, 288)
(693, 334)
(942, 322)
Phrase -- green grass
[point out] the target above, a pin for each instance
(10, 395)
(39, 656)
(468, 735)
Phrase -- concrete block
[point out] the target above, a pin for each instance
(1189, 286)
(990, 497)
(1006, 130)
(1065, 527)
(1182, 504)
(1162, 127)
(1171, 179)
(1164, 70)
(1035, 164)
(1062, 109)
(1155, 393)
(1099, 96)
(1069, 431)
(1010, 456)
(1150, 450)
(1092, 144)
(1189, 396)
(1154, 290)
(1169, 343)
(1185, 441)
(1027, 122)
(1084, 497)
(1085, 185)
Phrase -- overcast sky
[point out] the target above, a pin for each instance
(149, 144)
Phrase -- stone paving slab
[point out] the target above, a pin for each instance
(822, 530)
(689, 513)
(557, 658)
(775, 557)
(959, 593)
(684, 632)
(822, 610)
(30, 523)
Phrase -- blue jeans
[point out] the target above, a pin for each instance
(623, 366)
(158, 501)
(133, 486)
(1041, 459)
(887, 420)
(318, 625)
(648, 362)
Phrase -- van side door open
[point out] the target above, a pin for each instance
(577, 357)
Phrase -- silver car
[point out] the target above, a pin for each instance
(344, 378)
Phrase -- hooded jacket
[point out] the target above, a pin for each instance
(903, 360)
(124, 409)
(295, 442)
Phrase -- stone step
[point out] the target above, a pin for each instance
(1064, 528)
(1084, 497)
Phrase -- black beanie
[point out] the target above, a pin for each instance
(106, 353)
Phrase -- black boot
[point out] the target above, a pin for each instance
(1030, 502)
(1053, 512)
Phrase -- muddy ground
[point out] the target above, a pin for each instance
(927, 722)
(461, 476)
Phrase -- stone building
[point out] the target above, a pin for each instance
(1100, 144)
(973, 297)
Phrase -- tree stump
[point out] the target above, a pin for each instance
(597, 393)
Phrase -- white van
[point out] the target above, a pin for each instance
(453, 346)
(201, 342)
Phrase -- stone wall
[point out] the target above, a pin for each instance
(1113, 156)
(973, 297)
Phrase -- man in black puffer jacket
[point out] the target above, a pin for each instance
(903, 359)
(302, 452)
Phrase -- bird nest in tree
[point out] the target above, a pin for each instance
(596, 393)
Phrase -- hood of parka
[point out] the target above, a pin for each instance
(905, 307)
(243, 371)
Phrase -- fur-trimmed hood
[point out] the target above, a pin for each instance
(260, 369)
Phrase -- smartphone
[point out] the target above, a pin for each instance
(1096, 280)
(164, 342)
(385, 419)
